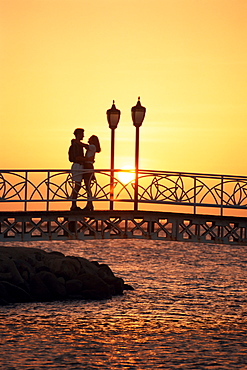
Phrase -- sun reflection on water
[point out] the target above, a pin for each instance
(105, 340)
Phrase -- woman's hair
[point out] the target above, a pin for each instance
(95, 141)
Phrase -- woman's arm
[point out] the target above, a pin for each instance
(85, 145)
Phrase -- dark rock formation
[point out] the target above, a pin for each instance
(29, 274)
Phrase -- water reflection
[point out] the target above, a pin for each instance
(85, 338)
(189, 311)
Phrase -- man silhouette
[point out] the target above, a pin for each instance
(76, 155)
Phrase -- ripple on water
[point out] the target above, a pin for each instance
(188, 311)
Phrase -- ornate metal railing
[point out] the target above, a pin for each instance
(34, 189)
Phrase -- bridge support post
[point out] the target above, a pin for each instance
(136, 169)
(112, 169)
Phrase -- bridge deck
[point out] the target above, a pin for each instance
(62, 225)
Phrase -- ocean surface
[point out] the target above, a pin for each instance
(188, 311)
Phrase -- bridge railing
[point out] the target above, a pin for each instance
(51, 189)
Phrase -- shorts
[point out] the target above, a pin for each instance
(77, 172)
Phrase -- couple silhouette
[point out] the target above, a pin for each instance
(82, 162)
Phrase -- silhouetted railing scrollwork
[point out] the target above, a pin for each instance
(48, 187)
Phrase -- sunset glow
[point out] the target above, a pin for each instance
(63, 62)
(126, 175)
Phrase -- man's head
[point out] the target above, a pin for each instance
(79, 133)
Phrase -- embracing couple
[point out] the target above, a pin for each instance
(82, 161)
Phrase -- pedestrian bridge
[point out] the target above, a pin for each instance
(34, 205)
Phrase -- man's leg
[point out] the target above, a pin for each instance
(74, 194)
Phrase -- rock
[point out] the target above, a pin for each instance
(74, 287)
(3, 295)
(56, 288)
(10, 271)
(3, 302)
(67, 267)
(42, 267)
(91, 282)
(62, 280)
(56, 253)
(87, 266)
(104, 271)
(128, 287)
(24, 268)
(94, 295)
(5, 276)
(31, 274)
(106, 274)
(13, 293)
(38, 290)
(118, 284)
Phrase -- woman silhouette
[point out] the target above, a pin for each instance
(92, 147)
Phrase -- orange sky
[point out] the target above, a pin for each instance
(63, 62)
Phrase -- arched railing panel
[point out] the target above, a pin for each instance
(50, 187)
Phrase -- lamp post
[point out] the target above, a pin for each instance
(138, 114)
(113, 116)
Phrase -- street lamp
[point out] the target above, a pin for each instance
(138, 114)
(113, 116)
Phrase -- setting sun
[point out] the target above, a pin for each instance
(126, 175)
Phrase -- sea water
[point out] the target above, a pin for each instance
(188, 310)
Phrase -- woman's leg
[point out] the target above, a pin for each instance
(87, 181)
